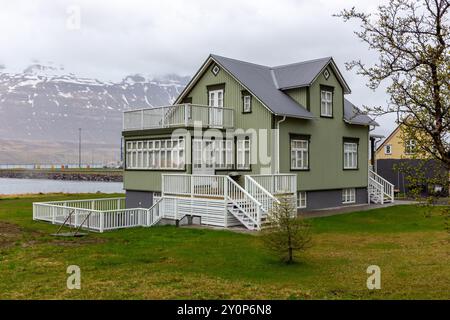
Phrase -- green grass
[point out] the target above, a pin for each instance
(411, 249)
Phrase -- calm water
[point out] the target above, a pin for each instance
(18, 186)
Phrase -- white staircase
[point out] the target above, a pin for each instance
(379, 189)
(243, 206)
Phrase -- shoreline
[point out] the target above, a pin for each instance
(95, 176)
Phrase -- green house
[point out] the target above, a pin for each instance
(240, 135)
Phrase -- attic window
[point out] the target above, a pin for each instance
(215, 70)
(326, 74)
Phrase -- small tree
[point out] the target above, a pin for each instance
(285, 233)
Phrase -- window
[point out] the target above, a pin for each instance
(350, 155)
(301, 199)
(299, 154)
(247, 100)
(155, 154)
(216, 154)
(326, 103)
(243, 154)
(388, 149)
(349, 195)
(410, 146)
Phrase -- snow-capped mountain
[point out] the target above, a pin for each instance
(44, 103)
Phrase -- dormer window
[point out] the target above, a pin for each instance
(326, 101)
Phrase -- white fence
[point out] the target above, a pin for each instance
(181, 115)
(277, 183)
(96, 214)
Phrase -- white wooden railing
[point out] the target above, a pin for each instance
(194, 185)
(181, 115)
(248, 205)
(96, 214)
(375, 191)
(282, 183)
(266, 199)
(387, 187)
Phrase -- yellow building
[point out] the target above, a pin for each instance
(393, 147)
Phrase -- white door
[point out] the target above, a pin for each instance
(203, 157)
(216, 113)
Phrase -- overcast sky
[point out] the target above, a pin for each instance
(117, 38)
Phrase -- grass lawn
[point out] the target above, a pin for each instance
(165, 262)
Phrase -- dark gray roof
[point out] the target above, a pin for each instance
(261, 82)
(299, 74)
(355, 116)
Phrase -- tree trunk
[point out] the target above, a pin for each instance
(290, 259)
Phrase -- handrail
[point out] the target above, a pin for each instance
(261, 188)
(177, 105)
(243, 190)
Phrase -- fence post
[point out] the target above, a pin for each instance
(102, 216)
(118, 204)
(148, 218)
(53, 215)
(76, 217)
(258, 217)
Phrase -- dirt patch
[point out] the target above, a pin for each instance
(9, 234)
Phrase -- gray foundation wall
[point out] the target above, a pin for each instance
(331, 198)
(138, 199)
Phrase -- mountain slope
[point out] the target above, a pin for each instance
(43, 104)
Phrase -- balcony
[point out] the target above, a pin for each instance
(175, 116)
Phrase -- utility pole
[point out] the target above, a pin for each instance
(79, 147)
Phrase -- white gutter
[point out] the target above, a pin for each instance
(278, 144)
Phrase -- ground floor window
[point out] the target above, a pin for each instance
(301, 199)
(349, 195)
(155, 154)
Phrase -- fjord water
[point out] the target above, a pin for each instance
(21, 186)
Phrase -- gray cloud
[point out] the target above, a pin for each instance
(117, 38)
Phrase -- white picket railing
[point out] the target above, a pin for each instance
(259, 193)
(375, 191)
(96, 214)
(248, 205)
(181, 115)
(277, 183)
(193, 185)
(387, 187)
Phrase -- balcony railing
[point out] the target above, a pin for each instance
(181, 115)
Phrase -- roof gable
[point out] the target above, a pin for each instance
(267, 83)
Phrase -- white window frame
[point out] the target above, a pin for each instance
(326, 103)
(160, 154)
(247, 103)
(243, 154)
(348, 195)
(299, 154)
(388, 149)
(410, 146)
(350, 155)
(301, 200)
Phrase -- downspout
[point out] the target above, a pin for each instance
(278, 144)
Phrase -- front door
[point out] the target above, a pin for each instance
(216, 113)
(203, 157)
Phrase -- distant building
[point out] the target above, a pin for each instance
(394, 153)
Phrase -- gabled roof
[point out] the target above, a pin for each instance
(267, 83)
(353, 115)
(260, 82)
(303, 74)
